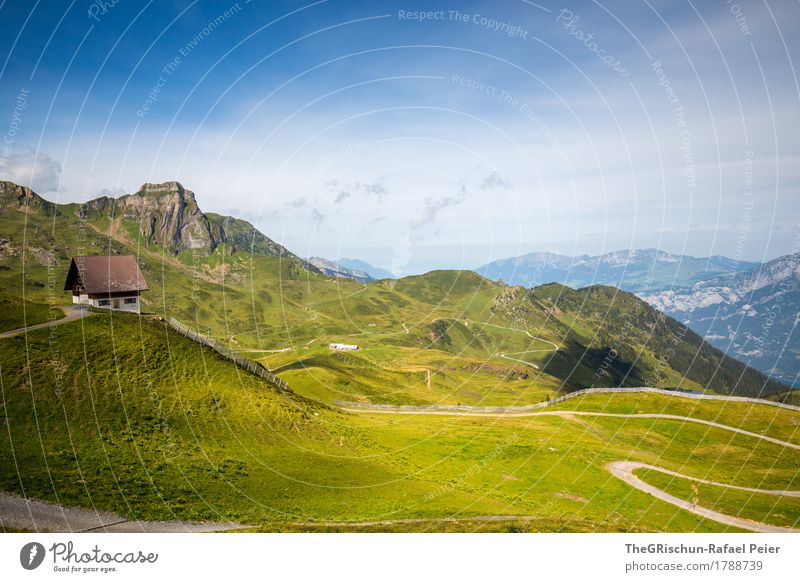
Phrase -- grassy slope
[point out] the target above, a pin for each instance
(16, 313)
(767, 420)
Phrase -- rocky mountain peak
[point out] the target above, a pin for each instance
(167, 214)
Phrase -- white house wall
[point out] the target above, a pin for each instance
(84, 299)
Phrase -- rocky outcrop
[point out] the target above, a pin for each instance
(23, 198)
(512, 303)
(168, 215)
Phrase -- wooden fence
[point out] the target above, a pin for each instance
(223, 350)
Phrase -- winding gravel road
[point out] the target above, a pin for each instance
(624, 470)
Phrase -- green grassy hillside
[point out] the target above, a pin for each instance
(777, 510)
(159, 427)
(16, 313)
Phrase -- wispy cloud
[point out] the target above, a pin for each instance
(433, 206)
(112, 192)
(342, 196)
(298, 202)
(375, 188)
(316, 216)
(495, 180)
(345, 190)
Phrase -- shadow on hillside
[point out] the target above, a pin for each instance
(582, 367)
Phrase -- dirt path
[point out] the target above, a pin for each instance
(624, 470)
(71, 313)
(550, 403)
(19, 513)
(508, 355)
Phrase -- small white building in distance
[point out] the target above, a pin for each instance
(343, 347)
(107, 282)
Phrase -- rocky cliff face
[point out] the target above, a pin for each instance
(168, 215)
(730, 289)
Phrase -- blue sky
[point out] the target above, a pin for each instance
(484, 130)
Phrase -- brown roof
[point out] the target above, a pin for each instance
(103, 274)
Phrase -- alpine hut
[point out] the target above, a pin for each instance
(108, 282)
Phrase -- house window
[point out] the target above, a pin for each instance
(130, 300)
(104, 302)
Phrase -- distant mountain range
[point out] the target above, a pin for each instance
(753, 315)
(373, 271)
(632, 270)
(333, 269)
(350, 269)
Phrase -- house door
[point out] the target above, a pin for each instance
(115, 303)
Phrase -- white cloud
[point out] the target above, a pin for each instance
(27, 167)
